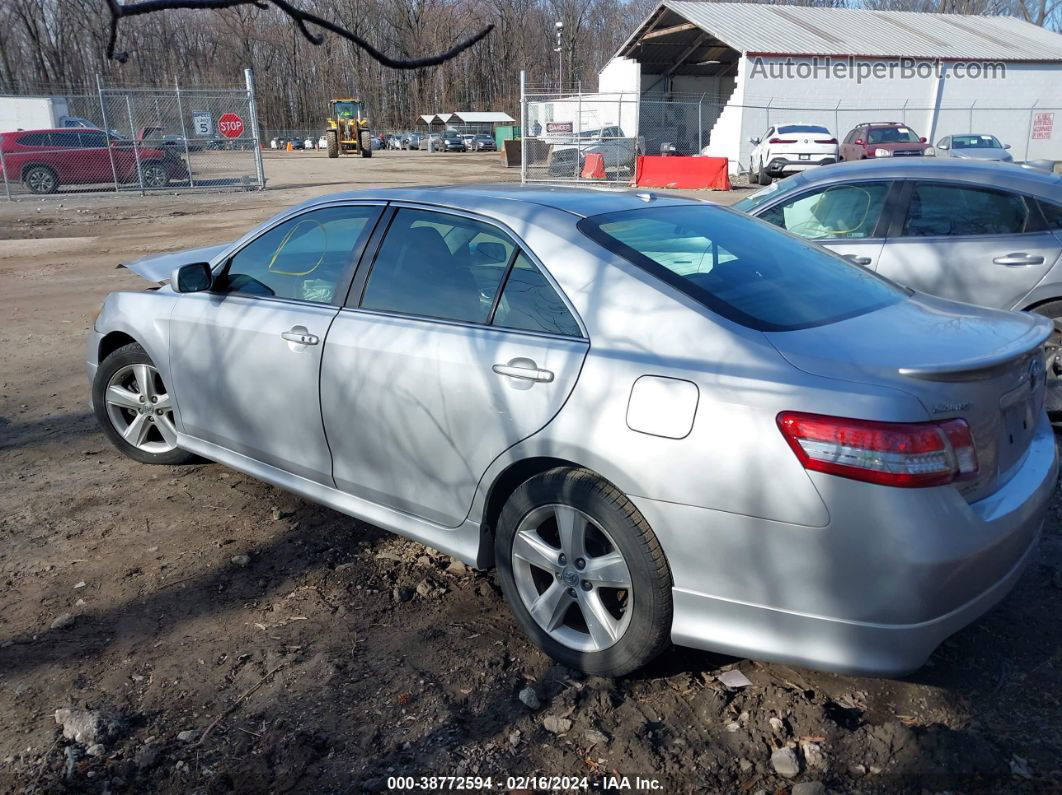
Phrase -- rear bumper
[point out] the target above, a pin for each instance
(781, 165)
(875, 592)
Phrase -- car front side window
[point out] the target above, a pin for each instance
(946, 210)
(304, 258)
(438, 265)
(838, 212)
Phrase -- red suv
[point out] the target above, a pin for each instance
(882, 139)
(43, 160)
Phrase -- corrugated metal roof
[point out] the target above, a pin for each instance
(472, 117)
(807, 30)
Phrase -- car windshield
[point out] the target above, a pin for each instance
(780, 188)
(975, 142)
(891, 135)
(803, 128)
(742, 268)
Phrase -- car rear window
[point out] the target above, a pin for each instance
(803, 128)
(742, 268)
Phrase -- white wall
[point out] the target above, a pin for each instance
(620, 75)
(931, 106)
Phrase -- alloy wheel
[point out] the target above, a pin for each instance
(41, 180)
(154, 176)
(140, 409)
(572, 578)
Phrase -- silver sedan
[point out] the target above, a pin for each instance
(659, 420)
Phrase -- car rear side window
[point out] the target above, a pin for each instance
(741, 268)
(33, 139)
(837, 212)
(941, 209)
(304, 258)
(529, 302)
(438, 265)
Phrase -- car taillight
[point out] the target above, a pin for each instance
(909, 455)
(782, 141)
(825, 140)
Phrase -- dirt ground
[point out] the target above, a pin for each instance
(211, 633)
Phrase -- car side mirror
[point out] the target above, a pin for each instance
(858, 141)
(942, 146)
(922, 139)
(754, 141)
(1006, 146)
(193, 278)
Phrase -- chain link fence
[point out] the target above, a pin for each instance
(130, 139)
(574, 136)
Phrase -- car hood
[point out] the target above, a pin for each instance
(980, 154)
(160, 267)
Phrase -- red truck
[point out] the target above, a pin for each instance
(43, 160)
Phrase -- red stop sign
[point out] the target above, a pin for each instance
(230, 125)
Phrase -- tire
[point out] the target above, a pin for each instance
(40, 180)
(763, 177)
(154, 175)
(333, 144)
(754, 177)
(1053, 395)
(365, 143)
(127, 422)
(636, 623)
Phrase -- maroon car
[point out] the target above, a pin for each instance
(882, 139)
(43, 160)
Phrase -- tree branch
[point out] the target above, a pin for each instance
(302, 20)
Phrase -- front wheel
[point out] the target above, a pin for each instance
(583, 573)
(365, 143)
(763, 177)
(134, 408)
(333, 143)
(41, 179)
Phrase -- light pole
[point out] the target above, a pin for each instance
(559, 49)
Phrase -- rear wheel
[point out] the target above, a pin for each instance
(754, 176)
(154, 175)
(333, 143)
(583, 573)
(40, 179)
(763, 177)
(1053, 395)
(134, 408)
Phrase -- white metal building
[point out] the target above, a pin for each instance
(760, 65)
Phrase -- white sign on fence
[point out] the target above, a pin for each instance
(202, 123)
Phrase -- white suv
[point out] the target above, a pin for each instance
(789, 148)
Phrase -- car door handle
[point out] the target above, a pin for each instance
(1019, 258)
(528, 372)
(858, 260)
(300, 335)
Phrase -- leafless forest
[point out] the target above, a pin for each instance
(60, 46)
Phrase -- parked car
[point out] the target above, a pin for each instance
(431, 142)
(322, 142)
(982, 232)
(759, 475)
(411, 141)
(882, 139)
(309, 143)
(567, 155)
(972, 147)
(470, 140)
(44, 160)
(297, 143)
(484, 143)
(451, 141)
(788, 149)
(394, 141)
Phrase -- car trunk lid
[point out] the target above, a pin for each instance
(982, 365)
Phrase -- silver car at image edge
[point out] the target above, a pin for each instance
(660, 420)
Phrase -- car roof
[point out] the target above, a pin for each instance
(515, 199)
(989, 173)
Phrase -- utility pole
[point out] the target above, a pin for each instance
(559, 49)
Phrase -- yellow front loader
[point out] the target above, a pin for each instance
(348, 130)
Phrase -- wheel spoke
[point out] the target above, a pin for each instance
(137, 430)
(529, 546)
(607, 571)
(604, 629)
(145, 378)
(162, 401)
(571, 526)
(551, 606)
(166, 428)
(126, 398)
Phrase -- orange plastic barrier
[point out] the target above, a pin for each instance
(593, 167)
(689, 173)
